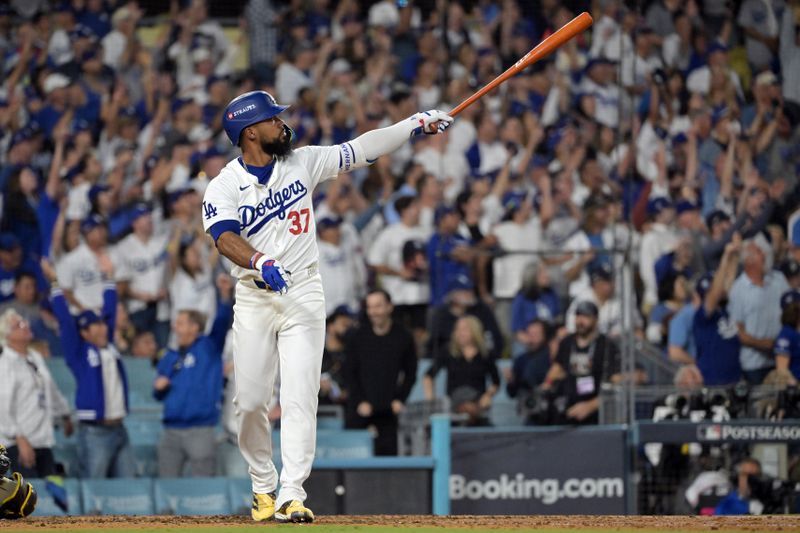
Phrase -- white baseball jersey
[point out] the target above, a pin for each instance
(277, 218)
(79, 272)
(144, 266)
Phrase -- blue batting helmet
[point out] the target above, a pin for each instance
(248, 109)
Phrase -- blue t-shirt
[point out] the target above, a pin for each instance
(443, 268)
(717, 340)
(524, 310)
(788, 343)
(680, 330)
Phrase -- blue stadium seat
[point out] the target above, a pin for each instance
(503, 413)
(144, 430)
(45, 506)
(140, 374)
(230, 461)
(117, 496)
(417, 392)
(67, 454)
(240, 492)
(192, 496)
(146, 458)
(502, 394)
(63, 377)
(346, 444)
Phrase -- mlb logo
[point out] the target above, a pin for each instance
(230, 116)
(712, 432)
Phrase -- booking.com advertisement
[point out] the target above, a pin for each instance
(550, 472)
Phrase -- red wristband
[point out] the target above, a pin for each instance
(254, 259)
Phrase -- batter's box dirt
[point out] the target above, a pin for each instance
(364, 524)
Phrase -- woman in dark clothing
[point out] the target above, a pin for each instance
(468, 368)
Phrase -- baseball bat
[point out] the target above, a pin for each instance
(540, 51)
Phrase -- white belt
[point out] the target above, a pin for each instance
(297, 276)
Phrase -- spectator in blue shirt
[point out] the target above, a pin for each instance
(536, 300)
(715, 333)
(12, 263)
(449, 254)
(681, 347)
(101, 400)
(787, 345)
(189, 382)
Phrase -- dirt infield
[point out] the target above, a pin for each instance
(662, 523)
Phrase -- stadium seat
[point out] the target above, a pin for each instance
(230, 461)
(117, 496)
(240, 493)
(192, 496)
(140, 373)
(45, 506)
(146, 459)
(66, 454)
(143, 430)
(417, 392)
(346, 444)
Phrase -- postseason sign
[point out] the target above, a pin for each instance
(548, 471)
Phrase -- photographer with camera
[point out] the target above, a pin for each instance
(742, 500)
(584, 361)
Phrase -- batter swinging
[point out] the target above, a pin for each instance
(259, 212)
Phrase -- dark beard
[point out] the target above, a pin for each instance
(280, 147)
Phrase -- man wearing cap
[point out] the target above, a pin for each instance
(699, 80)
(601, 294)
(716, 335)
(449, 254)
(598, 85)
(791, 271)
(584, 361)
(755, 306)
(143, 260)
(401, 270)
(114, 44)
(12, 264)
(660, 239)
(336, 266)
(79, 271)
(787, 344)
(101, 399)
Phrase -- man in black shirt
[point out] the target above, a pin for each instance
(585, 360)
(380, 369)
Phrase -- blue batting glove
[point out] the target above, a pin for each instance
(274, 275)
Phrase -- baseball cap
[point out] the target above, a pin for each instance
(140, 209)
(657, 205)
(442, 211)
(8, 242)
(87, 318)
(790, 268)
(460, 283)
(586, 308)
(703, 284)
(341, 310)
(767, 78)
(686, 205)
(601, 271)
(719, 113)
(81, 31)
(715, 217)
(54, 82)
(717, 46)
(790, 297)
(328, 222)
(96, 190)
(91, 222)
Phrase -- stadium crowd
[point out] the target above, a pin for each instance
(658, 152)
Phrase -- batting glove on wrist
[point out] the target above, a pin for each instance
(430, 122)
(274, 275)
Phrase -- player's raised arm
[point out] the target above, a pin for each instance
(368, 147)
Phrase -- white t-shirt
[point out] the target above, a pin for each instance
(113, 392)
(288, 81)
(658, 241)
(388, 251)
(508, 270)
(606, 101)
(339, 276)
(113, 46)
(144, 265)
(762, 16)
(79, 272)
(193, 293)
(276, 218)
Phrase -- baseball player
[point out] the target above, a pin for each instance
(259, 212)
